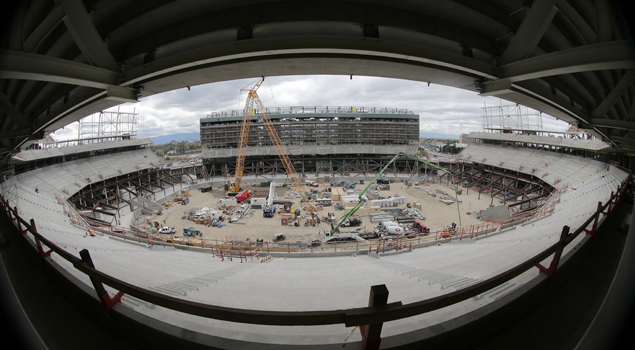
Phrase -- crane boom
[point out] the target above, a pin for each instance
(282, 153)
(253, 106)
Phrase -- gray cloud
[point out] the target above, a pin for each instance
(442, 109)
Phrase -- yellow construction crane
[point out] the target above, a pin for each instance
(248, 111)
(253, 106)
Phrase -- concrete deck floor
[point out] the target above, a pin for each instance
(318, 283)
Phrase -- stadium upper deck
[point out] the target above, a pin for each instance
(315, 126)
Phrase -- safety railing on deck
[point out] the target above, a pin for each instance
(370, 319)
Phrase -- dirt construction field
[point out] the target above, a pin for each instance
(438, 215)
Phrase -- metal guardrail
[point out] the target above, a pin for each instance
(316, 109)
(364, 316)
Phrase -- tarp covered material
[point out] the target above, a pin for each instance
(350, 199)
(389, 202)
(229, 201)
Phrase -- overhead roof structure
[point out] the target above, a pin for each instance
(62, 60)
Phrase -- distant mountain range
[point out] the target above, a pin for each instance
(434, 135)
(188, 136)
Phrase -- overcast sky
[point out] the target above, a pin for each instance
(441, 109)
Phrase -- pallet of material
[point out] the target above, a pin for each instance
(448, 202)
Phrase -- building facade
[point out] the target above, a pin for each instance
(317, 139)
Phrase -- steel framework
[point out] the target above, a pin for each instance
(108, 124)
(510, 117)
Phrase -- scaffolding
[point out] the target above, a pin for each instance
(513, 117)
(108, 125)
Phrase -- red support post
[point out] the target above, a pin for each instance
(371, 334)
(267, 246)
(608, 205)
(40, 250)
(595, 221)
(288, 247)
(107, 302)
(551, 271)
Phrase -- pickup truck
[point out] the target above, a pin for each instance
(167, 230)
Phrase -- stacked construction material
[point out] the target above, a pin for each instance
(381, 217)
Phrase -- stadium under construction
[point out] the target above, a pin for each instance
(326, 140)
(103, 245)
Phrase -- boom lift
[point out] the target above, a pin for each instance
(363, 199)
(253, 106)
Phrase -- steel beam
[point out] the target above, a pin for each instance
(44, 28)
(83, 31)
(611, 123)
(603, 20)
(530, 31)
(121, 94)
(30, 66)
(602, 56)
(624, 140)
(13, 112)
(496, 87)
(578, 22)
(16, 37)
(16, 133)
(619, 89)
(270, 48)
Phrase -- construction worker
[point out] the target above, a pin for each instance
(90, 232)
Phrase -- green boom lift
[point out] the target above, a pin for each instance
(362, 200)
